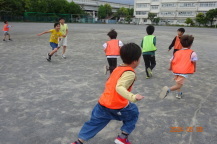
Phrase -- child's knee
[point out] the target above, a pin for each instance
(179, 85)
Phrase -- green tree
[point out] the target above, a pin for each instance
(156, 20)
(11, 6)
(122, 12)
(126, 13)
(104, 11)
(201, 19)
(151, 16)
(131, 11)
(189, 21)
(101, 12)
(17, 7)
(75, 8)
(211, 15)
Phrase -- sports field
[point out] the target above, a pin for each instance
(45, 102)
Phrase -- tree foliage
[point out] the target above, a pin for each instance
(151, 16)
(211, 15)
(104, 11)
(201, 19)
(125, 13)
(18, 7)
(122, 12)
(189, 21)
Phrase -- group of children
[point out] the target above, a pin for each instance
(117, 100)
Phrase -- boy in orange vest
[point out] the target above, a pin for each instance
(112, 51)
(176, 41)
(182, 64)
(115, 101)
(6, 29)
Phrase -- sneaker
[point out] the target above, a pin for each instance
(63, 56)
(4, 40)
(105, 69)
(147, 77)
(48, 57)
(76, 142)
(164, 92)
(10, 39)
(149, 72)
(120, 140)
(179, 95)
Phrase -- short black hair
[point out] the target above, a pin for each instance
(5, 21)
(56, 24)
(187, 40)
(130, 52)
(61, 18)
(112, 34)
(150, 29)
(181, 30)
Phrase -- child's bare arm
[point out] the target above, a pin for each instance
(194, 66)
(139, 97)
(43, 33)
(170, 68)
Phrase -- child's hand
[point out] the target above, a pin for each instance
(38, 34)
(139, 97)
(170, 69)
(64, 35)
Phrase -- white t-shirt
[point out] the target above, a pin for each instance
(105, 46)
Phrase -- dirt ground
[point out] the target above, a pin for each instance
(47, 102)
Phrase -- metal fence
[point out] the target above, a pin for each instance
(47, 17)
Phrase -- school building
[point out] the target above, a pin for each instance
(91, 6)
(171, 11)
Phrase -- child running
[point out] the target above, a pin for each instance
(54, 39)
(115, 101)
(64, 31)
(112, 51)
(148, 50)
(176, 41)
(6, 29)
(182, 64)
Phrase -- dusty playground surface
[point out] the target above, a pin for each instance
(47, 102)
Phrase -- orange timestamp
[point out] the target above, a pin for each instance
(186, 129)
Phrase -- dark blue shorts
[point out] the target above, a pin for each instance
(53, 45)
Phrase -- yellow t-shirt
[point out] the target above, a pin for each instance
(63, 28)
(55, 35)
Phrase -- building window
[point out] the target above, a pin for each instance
(142, 5)
(186, 13)
(187, 5)
(208, 4)
(181, 21)
(155, 0)
(168, 5)
(154, 7)
(141, 12)
(167, 13)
